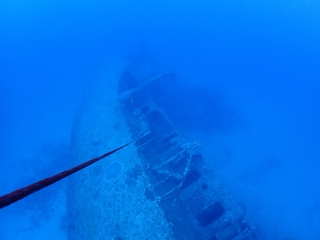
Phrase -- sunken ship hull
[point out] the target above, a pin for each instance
(160, 187)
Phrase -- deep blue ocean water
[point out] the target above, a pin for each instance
(248, 75)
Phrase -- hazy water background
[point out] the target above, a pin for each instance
(249, 69)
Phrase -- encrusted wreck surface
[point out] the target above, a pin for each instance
(107, 200)
(159, 188)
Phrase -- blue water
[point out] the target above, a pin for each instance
(247, 87)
